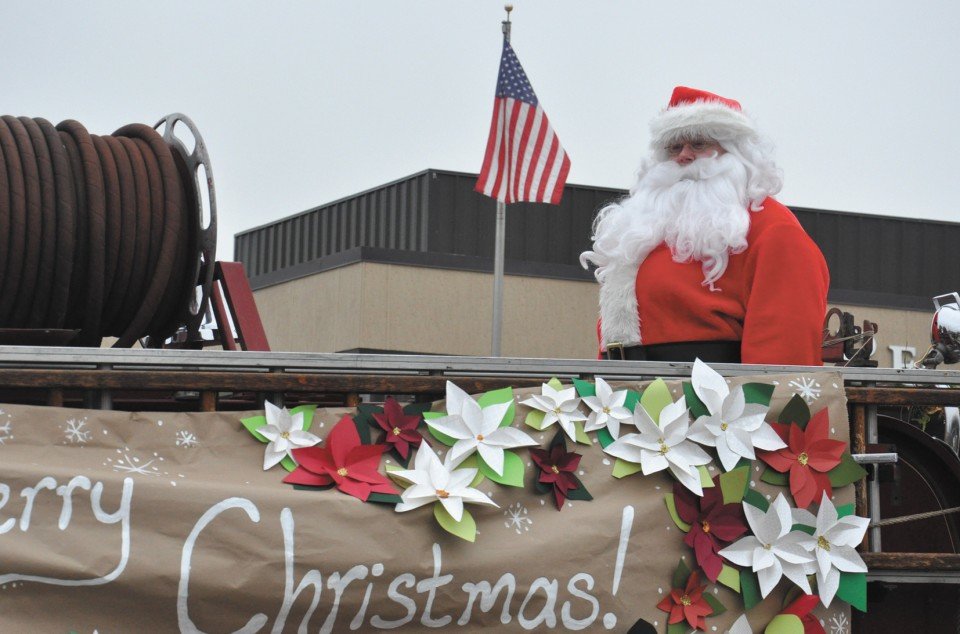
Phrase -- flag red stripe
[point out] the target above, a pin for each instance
(488, 155)
(518, 193)
(551, 157)
(561, 181)
(537, 149)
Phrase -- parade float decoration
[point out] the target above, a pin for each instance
(707, 504)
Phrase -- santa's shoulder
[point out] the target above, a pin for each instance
(772, 214)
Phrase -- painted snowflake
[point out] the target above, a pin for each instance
(75, 432)
(186, 439)
(839, 624)
(517, 519)
(129, 462)
(6, 432)
(808, 389)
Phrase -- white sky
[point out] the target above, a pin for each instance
(301, 103)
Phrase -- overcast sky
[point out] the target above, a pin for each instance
(301, 103)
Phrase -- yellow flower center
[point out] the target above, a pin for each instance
(285, 435)
(663, 448)
(396, 431)
(723, 426)
(556, 410)
(823, 543)
(606, 410)
(480, 437)
(803, 459)
(442, 494)
(705, 525)
(685, 600)
(554, 469)
(767, 546)
(342, 472)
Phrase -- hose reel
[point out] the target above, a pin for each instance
(104, 235)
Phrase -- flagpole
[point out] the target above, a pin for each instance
(501, 229)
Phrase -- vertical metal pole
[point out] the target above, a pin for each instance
(873, 486)
(501, 229)
(498, 278)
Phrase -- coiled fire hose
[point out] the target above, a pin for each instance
(107, 236)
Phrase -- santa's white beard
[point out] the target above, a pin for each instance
(699, 210)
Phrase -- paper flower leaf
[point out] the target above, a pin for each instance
(513, 469)
(730, 577)
(733, 426)
(714, 523)
(759, 393)
(795, 412)
(749, 589)
(808, 457)
(672, 510)
(785, 624)
(734, 484)
(623, 468)
(853, 589)
(343, 461)
(465, 528)
(655, 398)
(434, 481)
(774, 477)
(558, 406)
(686, 602)
(557, 471)
(847, 472)
(283, 430)
(773, 550)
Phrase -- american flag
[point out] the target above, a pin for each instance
(524, 159)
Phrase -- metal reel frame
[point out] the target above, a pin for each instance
(203, 266)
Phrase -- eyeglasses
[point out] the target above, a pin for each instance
(697, 145)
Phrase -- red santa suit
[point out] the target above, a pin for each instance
(767, 305)
(771, 298)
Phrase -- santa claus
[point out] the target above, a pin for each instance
(699, 260)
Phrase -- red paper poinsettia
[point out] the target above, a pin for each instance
(557, 467)
(801, 609)
(808, 456)
(401, 429)
(344, 461)
(688, 604)
(713, 524)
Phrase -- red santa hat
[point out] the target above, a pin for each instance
(692, 113)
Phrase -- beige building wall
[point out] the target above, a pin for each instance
(438, 311)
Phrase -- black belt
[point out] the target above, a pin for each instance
(688, 351)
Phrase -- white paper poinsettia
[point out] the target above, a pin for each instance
(773, 551)
(477, 429)
(833, 543)
(434, 481)
(733, 426)
(607, 409)
(285, 433)
(558, 406)
(658, 447)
